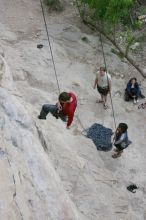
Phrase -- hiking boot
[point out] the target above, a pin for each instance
(40, 117)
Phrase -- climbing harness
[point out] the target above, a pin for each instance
(142, 106)
(49, 42)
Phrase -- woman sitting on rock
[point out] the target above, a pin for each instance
(132, 91)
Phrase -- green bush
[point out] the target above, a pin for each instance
(54, 4)
(137, 24)
(112, 11)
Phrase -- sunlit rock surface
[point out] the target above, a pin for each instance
(46, 171)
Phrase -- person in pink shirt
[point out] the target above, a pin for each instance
(64, 109)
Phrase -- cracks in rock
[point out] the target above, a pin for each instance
(19, 210)
(120, 212)
(30, 202)
(14, 198)
(77, 179)
(17, 206)
(42, 139)
(98, 177)
(2, 152)
(86, 169)
(32, 185)
(14, 142)
(17, 95)
(35, 83)
(15, 191)
(9, 162)
(19, 174)
(22, 124)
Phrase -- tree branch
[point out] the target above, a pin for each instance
(129, 59)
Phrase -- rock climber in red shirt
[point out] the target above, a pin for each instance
(64, 109)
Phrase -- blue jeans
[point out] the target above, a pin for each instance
(47, 108)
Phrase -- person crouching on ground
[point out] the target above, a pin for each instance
(121, 140)
(103, 83)
(64, 109)
(132, 91)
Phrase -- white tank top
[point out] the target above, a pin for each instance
(103, 80)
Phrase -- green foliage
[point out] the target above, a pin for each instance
(118, 10)
(129, 41)
(137, 24)
(116, 20)
(113, 11)
(120, 55)
(143, 10)
(54, 4)
(141, 38)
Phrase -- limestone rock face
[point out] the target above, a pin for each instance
(30, 187)
(48, 172)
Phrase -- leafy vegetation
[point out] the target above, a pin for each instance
(112, 11)
(117, 20)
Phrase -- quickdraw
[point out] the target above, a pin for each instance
(142, 106)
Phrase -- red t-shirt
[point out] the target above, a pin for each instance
(69, 108)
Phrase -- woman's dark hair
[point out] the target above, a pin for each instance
(134, 79)
(123, 127)
(102, 68)
(64, 97)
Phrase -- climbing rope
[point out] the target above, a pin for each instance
(108, 81)
(49, 42)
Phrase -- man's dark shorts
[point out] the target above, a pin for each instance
(103, 90)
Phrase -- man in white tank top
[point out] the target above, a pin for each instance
(103, 83)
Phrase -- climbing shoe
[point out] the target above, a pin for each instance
(56, 115)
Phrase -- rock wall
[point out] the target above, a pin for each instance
(48, 172)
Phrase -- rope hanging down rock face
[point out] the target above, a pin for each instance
(49, 42)
(103, 54)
